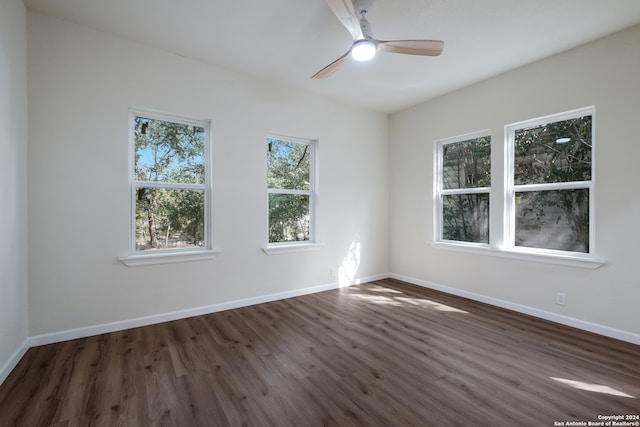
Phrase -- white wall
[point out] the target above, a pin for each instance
(603, 73)
(373, 195)
(13, 182)
(81, 84)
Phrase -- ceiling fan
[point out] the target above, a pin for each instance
(352, 14)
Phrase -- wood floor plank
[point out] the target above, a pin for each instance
(385, 353)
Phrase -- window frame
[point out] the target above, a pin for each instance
(440, 191)
(502, 209)
(170, 255)
(272, 248)
(510, 188)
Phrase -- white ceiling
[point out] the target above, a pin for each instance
(289, 40)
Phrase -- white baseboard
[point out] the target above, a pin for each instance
(87, 331)
(13, 360)
(181, 314)
(547, 315)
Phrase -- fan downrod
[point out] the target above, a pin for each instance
(363, 6)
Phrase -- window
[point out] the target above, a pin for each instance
(290, 188)
(550, 183)
(546, 207)
(169, 184)
(463, 181)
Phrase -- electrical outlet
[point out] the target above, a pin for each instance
(332, 273)
(561, 299)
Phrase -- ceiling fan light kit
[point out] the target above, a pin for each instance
(363, 50)
(352, 14)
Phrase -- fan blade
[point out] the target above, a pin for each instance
(412, 47)
(331, 68)
(346, 13)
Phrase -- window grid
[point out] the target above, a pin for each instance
(512, 190)
(309, 192)
(137, 184)
(563, 195)
(441, 192)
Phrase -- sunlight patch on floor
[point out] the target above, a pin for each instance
(596, 388)
(383, 290)
(399, 301)
(379, 299)
(431, 304)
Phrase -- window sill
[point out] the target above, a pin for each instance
(577, 261)
(290, 248)
(168, 257)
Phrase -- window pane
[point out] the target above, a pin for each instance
(288, 165)
(557, 219)
(289, 216)
(467, 164)
(169, 219)
(554, 152)
(465, 217)
(168, 152)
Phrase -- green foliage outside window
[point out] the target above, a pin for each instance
(558, 152)
(289, 184)
(466, 165)
(548, 201)
(170, 175)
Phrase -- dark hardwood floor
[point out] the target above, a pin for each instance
(380, 354)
